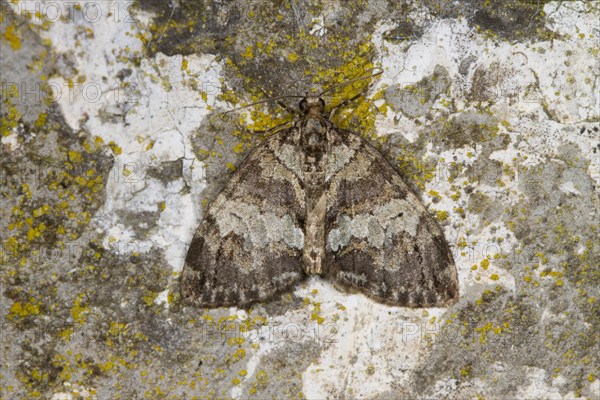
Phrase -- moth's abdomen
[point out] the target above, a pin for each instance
(314, 150)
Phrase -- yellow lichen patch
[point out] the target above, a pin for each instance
(26, 190)
(415, 167)
(81, 181)
(233, 341)
(259, 320)
(11, 119)
(12, 37)
(466, 371)
(263, 121)
(79, 311)
(75, 156)
(237, 356)
(150, 145)
(490, 328)
(442, 215)
(115, 148)
(116, 331)
(434, 195)
(315, 315)
(18, 310)
(260, 383)
(485, 264)
(238, 148)
(66, 334)
(248, 54)
(40, 122)
(149, 298)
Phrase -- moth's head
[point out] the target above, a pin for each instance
(312, 105)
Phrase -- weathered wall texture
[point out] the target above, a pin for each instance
(490, 110)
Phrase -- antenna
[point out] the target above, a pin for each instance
(379, 72)
(263, 101)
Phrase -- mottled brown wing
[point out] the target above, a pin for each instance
(381, 240)
(249, 244)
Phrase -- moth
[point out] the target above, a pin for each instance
(317, 200)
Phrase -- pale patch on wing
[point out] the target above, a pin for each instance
(258, 228)
(378, 226)
(284, 174)
(290, 157)
(399, 215)
(357, 279)
(337, 158)
(359, 165)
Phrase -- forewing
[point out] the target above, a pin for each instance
(381, 240)
(249, 244)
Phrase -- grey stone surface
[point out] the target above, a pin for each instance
(489, 110)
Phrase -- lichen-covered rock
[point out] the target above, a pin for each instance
(113, 142)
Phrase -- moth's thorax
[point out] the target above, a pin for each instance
(313, 133)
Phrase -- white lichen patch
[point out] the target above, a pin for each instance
(151, 115)
(377, 345)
